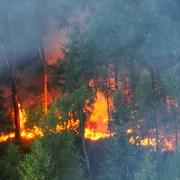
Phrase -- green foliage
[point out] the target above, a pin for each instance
(65, 160)
(35, 116)
(35, 165)
(171, 81)
(119, 161)
(147, 169)
(122, 115)
(5, 124)
(78, 65)
(76, 100)
(47, 122)
(171, 171)
(8, 163)
(52, 157)
(2, 110)
(75, 103)
(148, 92)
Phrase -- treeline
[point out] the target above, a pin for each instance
(52, 157)
(56, 157)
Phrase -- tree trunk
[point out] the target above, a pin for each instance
(107, 101)
(116, 76)
(13, 86)
(85, 153)
(155, 111)
(176, 131)
(16, 112)
(41, 53)
(157, 134)
(15, 104)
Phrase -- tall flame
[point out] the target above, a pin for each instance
(26, 134)
(97, 125)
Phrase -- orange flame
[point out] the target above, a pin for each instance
(96, 128)
(97, 125)
(26, 134)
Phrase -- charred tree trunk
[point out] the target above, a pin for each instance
(176, 129)
(176, 134)
(5, 46)
(157, 133)
(175, 114)
(107, 100)
(85, 153)
(16, 112)
(41, 53)
(108, 106)
(15, 104)
(116, 76)
(154, 110)
(147, 127)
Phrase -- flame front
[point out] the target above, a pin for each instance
(96, 128)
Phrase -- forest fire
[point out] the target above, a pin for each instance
(26, 133)
(166, 143)
(90, 89)
(96, 128)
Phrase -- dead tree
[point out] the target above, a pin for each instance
(15, 103)
(42, 56)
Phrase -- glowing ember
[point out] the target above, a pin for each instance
(169, 145)
(146, 141)
(143, 141)
(166, 142)
(129, 131)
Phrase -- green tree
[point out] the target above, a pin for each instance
(5, 124)
(150, 100)
(119, 159)
(9, 161)
(147, 168)
(75, 104)
(35, 165)
(65, 161)
(171, 171)
(53, 157)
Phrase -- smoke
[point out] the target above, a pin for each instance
(150, 28)
(24, 24)
(161, 35)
